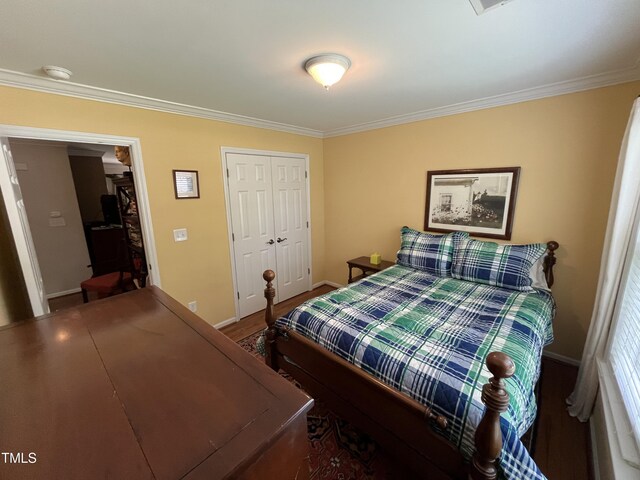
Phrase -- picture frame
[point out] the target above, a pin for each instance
(478, 201)
(186, 184)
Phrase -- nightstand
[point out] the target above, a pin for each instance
(366, 267)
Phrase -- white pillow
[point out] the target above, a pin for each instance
(538, 279)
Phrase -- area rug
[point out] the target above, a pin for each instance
(338, 450)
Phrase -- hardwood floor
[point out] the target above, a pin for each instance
(68, 301)
(562, 450)
(252, 323)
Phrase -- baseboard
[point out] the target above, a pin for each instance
(561, 358)
(223, 323)
(62, 294)
(326, 282)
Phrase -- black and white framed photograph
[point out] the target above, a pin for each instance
(478, 201)
(185, 183)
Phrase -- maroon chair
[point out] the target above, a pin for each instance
(111, 283)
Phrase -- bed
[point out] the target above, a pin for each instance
(423, 361)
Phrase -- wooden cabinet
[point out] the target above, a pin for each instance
(107, 248)
(128, 205)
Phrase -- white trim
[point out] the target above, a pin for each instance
(561, 358)
(49, 296)
(551, 90)
(625, 456)
(38, 83)
(70, 89)
(137, 165)
(617, 419)
(223, 323)
(326, 282)
(225, 180)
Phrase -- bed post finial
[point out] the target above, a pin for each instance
(269, 294)
(270, 319)
(488, 439)
(550, 261)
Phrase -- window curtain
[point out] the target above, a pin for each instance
(625, 201)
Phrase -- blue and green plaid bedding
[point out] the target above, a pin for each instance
(428, 337)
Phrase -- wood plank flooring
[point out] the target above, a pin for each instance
(563, 446)
(252, 323)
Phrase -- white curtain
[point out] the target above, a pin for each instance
(625, 200)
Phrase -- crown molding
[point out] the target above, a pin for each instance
(551, 90)
(60, 87)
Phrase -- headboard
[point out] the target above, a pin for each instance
(549, 261)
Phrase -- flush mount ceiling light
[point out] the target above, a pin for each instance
(57, 73)
(327, 69)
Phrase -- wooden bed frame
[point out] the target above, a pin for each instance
(397, 422)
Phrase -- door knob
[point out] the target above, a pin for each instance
(270, 242)
(281, 239)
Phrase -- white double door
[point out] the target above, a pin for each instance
(268, 208)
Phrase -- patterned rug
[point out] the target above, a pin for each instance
(337, 449)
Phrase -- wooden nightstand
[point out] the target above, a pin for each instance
(366, 267)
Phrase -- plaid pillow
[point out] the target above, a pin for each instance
(507, 266)
(424, 251)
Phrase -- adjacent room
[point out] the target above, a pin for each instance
(334, 240)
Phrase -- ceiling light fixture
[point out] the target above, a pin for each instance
(57, 73)
(327, 69)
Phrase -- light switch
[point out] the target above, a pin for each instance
(180, 234)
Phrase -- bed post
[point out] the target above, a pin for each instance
(550, 261)
(488, 439)
(270, 319)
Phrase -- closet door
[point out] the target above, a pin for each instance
(290, 216)
(251, 205)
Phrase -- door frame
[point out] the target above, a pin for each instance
(267, 153)
(137, 165)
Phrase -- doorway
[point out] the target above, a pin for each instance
(268, 214)
(16, 212)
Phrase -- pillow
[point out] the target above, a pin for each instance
(538, 278)
(507, 266)
(424, 251)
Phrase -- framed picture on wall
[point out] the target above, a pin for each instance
(185, 183)
(479, 201)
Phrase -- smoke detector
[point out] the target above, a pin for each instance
(57, 73)
(482, 6)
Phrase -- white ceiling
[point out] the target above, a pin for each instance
(411, 59)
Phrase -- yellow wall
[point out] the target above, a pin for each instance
(200, 268)
(567, 146)
(365, 186)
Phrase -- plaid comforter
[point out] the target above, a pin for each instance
(428, 337)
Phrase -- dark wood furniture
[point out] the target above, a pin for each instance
(138, 387)
(367, 268)
(399, 424)
(107, 248)
(128, 204)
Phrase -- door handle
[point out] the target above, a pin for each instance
(280, 240)
(270, 242)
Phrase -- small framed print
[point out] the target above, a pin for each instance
(480, 202)
(185, 183)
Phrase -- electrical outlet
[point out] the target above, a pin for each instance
(193, 306)
(180, 234)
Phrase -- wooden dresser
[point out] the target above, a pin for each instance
(136, 386)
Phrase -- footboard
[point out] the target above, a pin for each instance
(401, 430)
